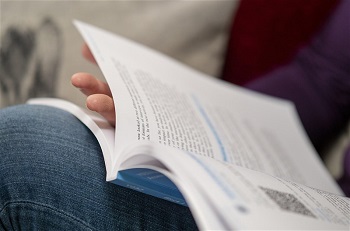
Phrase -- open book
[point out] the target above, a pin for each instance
(238, 159)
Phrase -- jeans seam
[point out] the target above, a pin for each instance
(48, 207)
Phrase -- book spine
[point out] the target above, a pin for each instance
(164, 189)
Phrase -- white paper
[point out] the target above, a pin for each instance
(160, 100)
(240, 198)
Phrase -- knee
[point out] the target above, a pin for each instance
(35, 132)
(40, 144)
(29, 119)
(26, 127)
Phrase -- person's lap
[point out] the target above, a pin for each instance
(52, 176)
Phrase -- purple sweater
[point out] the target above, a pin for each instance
(318, 82)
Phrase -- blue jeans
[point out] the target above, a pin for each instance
(52, 177)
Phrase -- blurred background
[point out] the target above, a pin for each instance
(40, 47)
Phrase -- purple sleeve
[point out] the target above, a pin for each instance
(344, 181)
(318, 79)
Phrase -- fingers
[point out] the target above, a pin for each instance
(87, 53)
(103, 105)
(99, 95)
(89, 85)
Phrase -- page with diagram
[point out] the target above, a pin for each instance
(223, 196)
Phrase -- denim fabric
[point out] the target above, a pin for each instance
(52, 177)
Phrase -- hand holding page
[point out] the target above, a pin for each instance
(160, 100)
(178, 131)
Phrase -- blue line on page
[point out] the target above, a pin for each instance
(214, 176)
(216, 135)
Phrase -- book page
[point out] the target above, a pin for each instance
(239, 198)
(265, 202)
(160, 100)
(177, 166)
